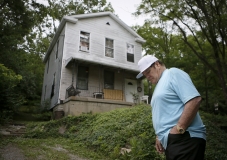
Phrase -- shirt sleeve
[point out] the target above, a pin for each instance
(182, 85)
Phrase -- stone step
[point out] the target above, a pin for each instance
(12, 130)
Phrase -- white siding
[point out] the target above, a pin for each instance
(69, 41)
(98, 32)
(55, 66)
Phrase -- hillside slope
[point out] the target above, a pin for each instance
(129, 128)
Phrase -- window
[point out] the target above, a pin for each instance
(45, 92)
(82, 78)
(108, 80)
(130, 53)
(48, 64)
(109, 51)
(57, 49)
(84, 41)
(53, 87)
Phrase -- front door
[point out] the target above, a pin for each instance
(130, 87)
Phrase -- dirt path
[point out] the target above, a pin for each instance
(13, 152)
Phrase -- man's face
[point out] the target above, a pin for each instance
(152, 73)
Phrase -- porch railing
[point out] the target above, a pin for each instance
(113, 94)
(90, 91)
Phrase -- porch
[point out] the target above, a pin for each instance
(95, 88)
(100, 81)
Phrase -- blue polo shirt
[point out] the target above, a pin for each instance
(173, 90)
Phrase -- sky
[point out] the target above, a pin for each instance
(124, 10)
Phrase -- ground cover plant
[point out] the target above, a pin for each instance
(102, 136)
(106, 133)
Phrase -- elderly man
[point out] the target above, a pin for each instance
(181, 134)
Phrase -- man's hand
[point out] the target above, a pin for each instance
(174, 130)
(159, 147)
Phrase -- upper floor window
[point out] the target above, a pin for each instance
(57, 50)
(82, 78)
(130, 53)
(109, 48)
(84, 41)
(48, 64)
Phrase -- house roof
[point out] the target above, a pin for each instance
(75, 18)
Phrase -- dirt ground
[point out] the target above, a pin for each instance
(11, 152)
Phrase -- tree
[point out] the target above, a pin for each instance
(205, 20)
(171, 50)
(17, 19)
(8, 98)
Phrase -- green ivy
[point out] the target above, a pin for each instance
(131, 128)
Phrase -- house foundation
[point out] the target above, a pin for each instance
(76, 106)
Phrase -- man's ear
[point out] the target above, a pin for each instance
(156, 64)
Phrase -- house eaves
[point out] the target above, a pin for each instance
(119, 66)
(57, 34)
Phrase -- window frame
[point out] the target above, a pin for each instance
(79, 79)
(84, 46)
(48, 64)
(53, 86)
(130, 56)
(111, 84)
(56, 54)
(109, 47)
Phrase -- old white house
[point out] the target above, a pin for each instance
(91, 65)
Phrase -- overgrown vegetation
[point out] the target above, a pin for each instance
(216, 138)
(26, 29)
(105, 134)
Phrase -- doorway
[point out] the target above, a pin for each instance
(130, 87)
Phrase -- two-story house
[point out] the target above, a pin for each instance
(91, 65)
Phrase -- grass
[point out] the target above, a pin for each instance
(101, 136)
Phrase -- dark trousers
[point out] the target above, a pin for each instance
(184, 147)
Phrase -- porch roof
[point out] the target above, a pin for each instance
(119, 66)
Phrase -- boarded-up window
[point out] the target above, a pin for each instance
(109, 49)
(130, 53)
(84, 41)
(108, 80)
(82, 78)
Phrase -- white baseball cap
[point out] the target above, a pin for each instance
(144, 63)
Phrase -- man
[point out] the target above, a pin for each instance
(181, 134)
